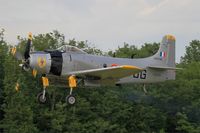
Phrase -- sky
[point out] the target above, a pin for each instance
(106, 24)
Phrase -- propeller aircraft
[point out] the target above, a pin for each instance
(76, 67)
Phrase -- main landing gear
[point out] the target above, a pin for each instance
(70, 99)
(42, 95)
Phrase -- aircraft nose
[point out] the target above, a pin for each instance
(40, 62)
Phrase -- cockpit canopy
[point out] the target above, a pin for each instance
(69, 48)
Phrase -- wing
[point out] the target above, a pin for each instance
(114, 72)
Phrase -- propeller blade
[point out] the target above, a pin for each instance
(13, 50)
(28, 47)
(34, 73)
(24, 58)
(16, 54)
(19, 56)
(17, 86)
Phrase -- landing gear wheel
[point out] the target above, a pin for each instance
(41, 99)
(70, 99)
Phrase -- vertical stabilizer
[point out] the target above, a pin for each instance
(166, 52)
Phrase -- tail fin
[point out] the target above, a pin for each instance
(166, 52)
(164, 59)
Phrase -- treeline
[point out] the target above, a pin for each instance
(173, 106)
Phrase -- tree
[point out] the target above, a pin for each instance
(131, 51)
(192, 52)
(52, 40)
(127, 51)
(148, 49)
(3, 54)
(184, 126)
(17, 106)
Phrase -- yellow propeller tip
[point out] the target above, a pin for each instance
(13, 50)
(17, 87)
(34, 73)
(30, 35)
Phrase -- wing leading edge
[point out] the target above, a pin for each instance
(114, 72)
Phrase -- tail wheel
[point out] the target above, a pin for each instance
(41, 99)
(70, 99)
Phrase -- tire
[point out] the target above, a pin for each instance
(70, 99)
(40, 98)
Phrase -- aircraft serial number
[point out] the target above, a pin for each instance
(141, 75)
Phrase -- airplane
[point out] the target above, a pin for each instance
(76, 67)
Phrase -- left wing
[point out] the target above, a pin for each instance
(114, 72)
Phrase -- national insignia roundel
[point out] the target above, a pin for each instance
(41, 62)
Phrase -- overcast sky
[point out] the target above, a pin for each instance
(105, 23)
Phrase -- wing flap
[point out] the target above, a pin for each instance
(114, 72)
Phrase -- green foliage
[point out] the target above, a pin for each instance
(148, 49)
(42, 42)
(125, 51)
(3, 52)
(131, 51)
(54, 40)
(184, 126)
(191, 71)
(192, 52)
(17, 106)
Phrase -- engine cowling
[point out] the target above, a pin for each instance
(41, 62)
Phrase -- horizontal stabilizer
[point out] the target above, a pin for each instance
(164, 68)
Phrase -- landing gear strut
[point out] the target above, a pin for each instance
(42, 95)
(144, 89)
(70, 99)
